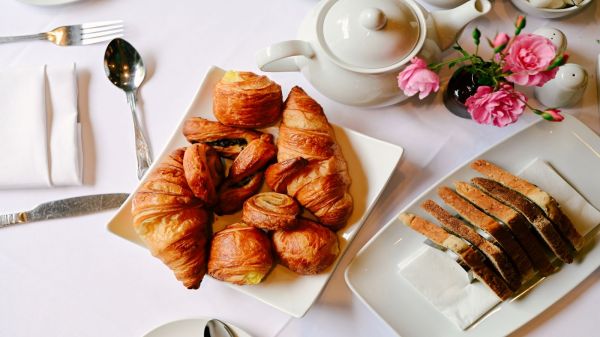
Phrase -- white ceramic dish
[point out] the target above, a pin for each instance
(549, 13)
(193, 327)
(572, 149)
(48, 2)
(370, 162)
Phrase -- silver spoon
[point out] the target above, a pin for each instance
(216, 328)
(125, 69)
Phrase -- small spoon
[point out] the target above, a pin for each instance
(216, 328)
(125, 69)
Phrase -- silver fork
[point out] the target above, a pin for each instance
(75, 35)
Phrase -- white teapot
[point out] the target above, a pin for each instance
(352, 50)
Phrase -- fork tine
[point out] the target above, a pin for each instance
(101, 34)
(100, 39)
(101, 29)
(100, 24)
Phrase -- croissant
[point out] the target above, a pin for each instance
(322, 185)
(247, 100)
(252, 158)
(271, 211)
(226, 140)
(308, 248)
(168, 219)
(240, 254)
(203, 171)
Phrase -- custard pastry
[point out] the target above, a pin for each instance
(203, 171)
(169, 220)
(240, 254)
(321, 186)
(271, 211)
(253, 158)
(247, 100)
(226, 140)
(306, 249)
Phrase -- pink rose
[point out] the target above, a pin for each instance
(500, 40)
(500, 108)
(417, 78)
(555, 114)
(528, 57)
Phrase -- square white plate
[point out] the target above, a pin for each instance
(370, 163)
(572, 149)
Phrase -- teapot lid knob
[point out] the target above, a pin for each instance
(373, 18)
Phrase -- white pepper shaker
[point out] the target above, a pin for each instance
(566, 89)
(555, 35)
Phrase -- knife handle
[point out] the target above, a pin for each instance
(11, 219)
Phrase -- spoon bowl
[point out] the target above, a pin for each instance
(125, 69)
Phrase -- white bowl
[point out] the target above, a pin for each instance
(548, 13)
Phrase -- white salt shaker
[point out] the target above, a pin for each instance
(557, 37)
(566, 89)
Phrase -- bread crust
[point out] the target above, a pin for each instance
(531, 212)
(513, 220)
(471, 257)
(497, 231)
(541, 198)
(495, 255)
(231, 195)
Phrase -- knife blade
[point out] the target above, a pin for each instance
(65, 208)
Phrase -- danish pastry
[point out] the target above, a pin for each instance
(271, 211)
(246, 100)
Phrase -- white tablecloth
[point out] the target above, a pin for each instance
(71, 277)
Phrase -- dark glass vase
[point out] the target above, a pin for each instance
(461, 86)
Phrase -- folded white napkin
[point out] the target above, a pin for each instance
(40, 136)
(443, 282)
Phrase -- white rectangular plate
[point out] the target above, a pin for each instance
(370, 163)
(572, 149)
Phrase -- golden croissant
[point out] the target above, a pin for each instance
(169, 220)
(322, 184)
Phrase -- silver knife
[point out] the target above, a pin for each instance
(65, 208)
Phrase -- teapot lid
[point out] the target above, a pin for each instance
(369, 34)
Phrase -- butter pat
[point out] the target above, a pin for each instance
(583, 215)
(447, 287)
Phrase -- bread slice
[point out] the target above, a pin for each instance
(496, 230)
(513, 220)
(544, 200)
(491, 251)
(470, 256)
(531, 212)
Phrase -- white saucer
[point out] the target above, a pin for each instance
(48, 2)
(193, 327)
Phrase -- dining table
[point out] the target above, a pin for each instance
(72, 277)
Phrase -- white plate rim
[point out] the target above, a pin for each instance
(238, 331)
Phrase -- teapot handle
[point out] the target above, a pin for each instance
(279, 57)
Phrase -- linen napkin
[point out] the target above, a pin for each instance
(40, 135)
(443, 282)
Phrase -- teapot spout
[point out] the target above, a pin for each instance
(449, 23)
